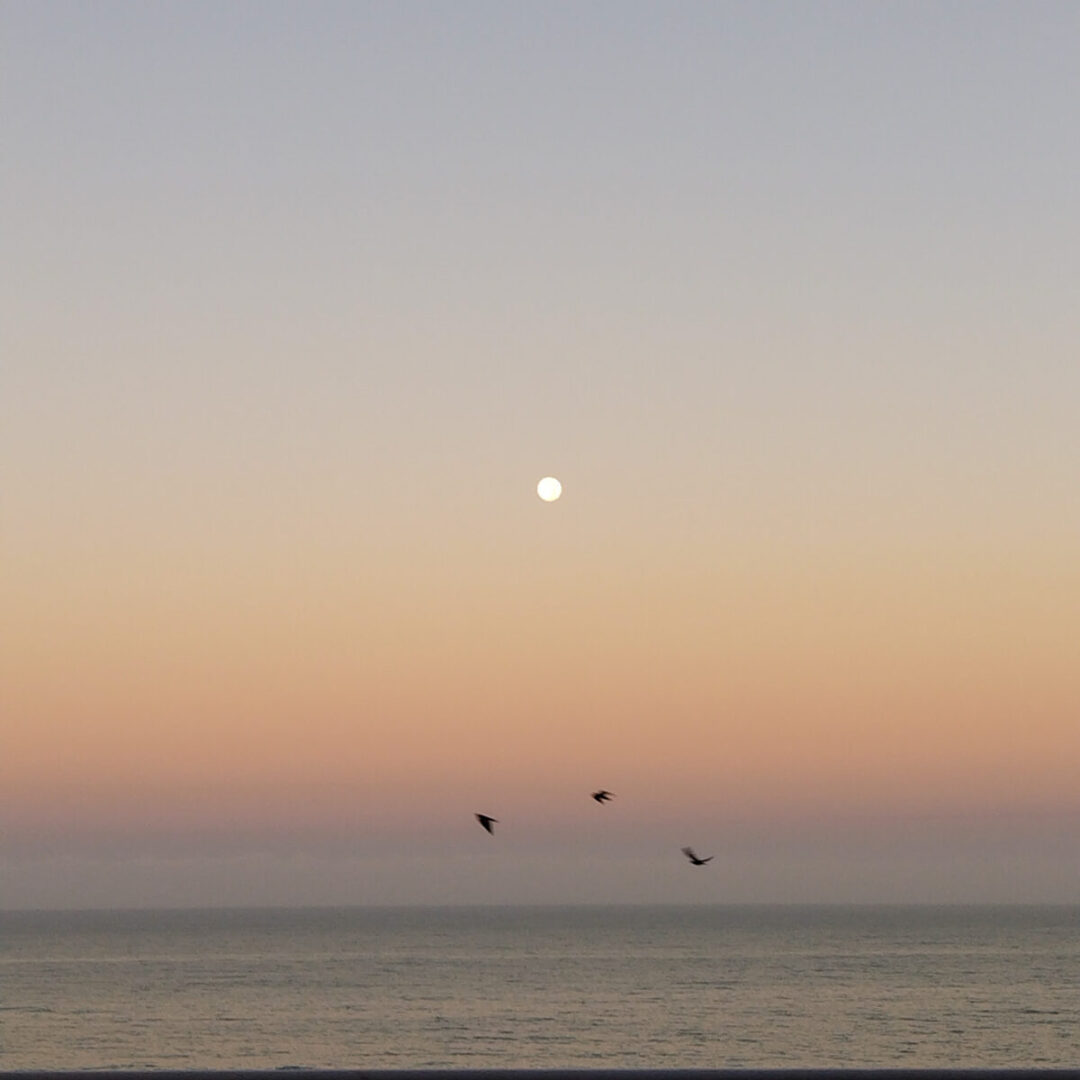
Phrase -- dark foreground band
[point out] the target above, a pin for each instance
(288, 1073)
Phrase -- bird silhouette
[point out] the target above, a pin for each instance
(603, 796)
(487, 822)
(689, 853)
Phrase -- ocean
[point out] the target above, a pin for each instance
(574, 987)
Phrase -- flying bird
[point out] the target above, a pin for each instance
(487, 822)
(603, 796)
(689, 853)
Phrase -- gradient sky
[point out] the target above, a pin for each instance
(299, 302)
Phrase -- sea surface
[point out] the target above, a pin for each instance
(586, 987)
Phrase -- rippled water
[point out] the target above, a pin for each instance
(543, 987)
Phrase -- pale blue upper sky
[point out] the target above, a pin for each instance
(543, 174)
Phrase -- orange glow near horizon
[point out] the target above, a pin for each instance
(745, 682)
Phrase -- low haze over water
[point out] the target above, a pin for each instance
(542, 987)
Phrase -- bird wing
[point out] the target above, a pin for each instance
(689, 853)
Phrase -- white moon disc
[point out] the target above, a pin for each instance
(549, 489)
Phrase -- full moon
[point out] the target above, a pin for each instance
(549, 489)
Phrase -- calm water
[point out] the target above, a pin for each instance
(558, 987)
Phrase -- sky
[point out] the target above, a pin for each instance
(299, 302)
